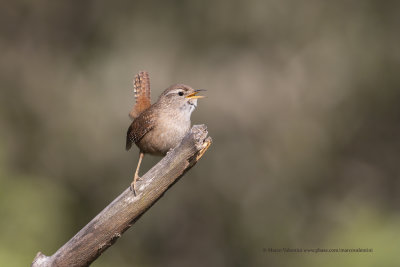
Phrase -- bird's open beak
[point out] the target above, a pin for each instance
(194, 95)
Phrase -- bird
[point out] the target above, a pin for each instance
(158, 128)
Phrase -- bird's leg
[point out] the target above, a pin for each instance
(136, 177)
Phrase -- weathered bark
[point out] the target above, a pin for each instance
(99, 234)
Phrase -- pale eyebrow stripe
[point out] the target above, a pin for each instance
(174, 91)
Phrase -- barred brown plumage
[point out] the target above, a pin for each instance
(139, 127)
(141, 89)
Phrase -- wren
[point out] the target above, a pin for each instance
(160, 127)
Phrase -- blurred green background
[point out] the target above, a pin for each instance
(303, 106)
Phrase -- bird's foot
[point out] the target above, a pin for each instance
(133, 188)
(133, 184)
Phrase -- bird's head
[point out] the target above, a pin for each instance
(181, 97)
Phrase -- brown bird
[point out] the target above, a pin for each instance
(158, 128)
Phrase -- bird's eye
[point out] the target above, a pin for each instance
(180, 93)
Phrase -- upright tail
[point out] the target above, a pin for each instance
(141, 88)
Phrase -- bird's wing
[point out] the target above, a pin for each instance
(139, 128)
(141, 88)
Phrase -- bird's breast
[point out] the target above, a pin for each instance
(167, 134)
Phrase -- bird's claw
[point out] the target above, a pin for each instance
(133, 188)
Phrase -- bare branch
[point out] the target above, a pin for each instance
(99, 234)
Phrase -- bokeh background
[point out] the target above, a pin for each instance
(303, 106)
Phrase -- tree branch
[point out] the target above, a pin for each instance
(99, 234)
